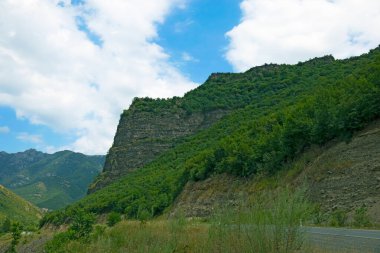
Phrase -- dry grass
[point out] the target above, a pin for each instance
(269, 225)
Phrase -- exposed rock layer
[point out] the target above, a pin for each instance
(344, 176)
(144, 135)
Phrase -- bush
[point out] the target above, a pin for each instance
(16, 230)
(81, 225)
(144, 215)
(318, 216)
(113, 218)
(361, 218)
(338, 218)
(58, 242)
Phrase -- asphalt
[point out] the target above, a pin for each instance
(344, 240)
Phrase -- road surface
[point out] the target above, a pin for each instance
(344, 240)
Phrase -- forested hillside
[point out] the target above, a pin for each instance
(49, 180)
(275, 113)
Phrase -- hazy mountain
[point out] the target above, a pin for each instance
(49, 180)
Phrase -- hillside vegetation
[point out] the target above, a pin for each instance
(340, 178)
(15, 208)
(49, 180)
(276, 112)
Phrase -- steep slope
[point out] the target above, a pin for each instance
(17, 209)
(145, 134)
(275, 113)
(338, 176)
(150, 127)
(49, 181)
(346, 175)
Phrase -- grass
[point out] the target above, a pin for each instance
(16, 208)
(269, 224)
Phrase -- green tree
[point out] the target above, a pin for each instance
(113, 218)
(82, 224)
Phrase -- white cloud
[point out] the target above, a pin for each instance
(4, 130)
(33, 138)
(52, 74)
(188, 57)
(288, 31)
(182, 26)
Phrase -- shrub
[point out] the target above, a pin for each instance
(144, 215)
(16, 230)
(338, 218)
(361, 217)
(56, 245)
(113, 218)
(82, 224)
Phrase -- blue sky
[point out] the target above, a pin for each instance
(22, 135)
(194, 37)
(69, 67)
(199, 32)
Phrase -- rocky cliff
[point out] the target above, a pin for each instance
(145, 132)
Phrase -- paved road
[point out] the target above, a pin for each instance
(344, 240)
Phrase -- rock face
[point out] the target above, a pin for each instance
(204, 198)
(347, 175)
(143, 135)
(342, 176)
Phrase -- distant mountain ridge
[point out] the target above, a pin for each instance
(49, 181)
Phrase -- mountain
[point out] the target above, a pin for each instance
(49, 181)
(147, 130)
(152, 126)
(266, 119)
(16, 208)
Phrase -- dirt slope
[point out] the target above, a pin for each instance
(339, 175)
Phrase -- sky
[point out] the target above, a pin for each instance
(69, 68)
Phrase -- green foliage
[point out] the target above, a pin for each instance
(338, 218)
(318, 216)
(81, 224)
(80, 229)
(113, 218)
(269, 225)
(57, 243)
(15, 208)
(276, 112)
(143, 215)
(361, 217)
(6, 226)
(98, 231)
(49, 180)
(16, 229)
